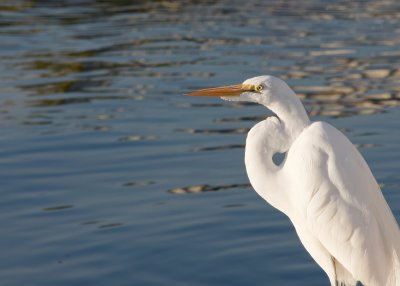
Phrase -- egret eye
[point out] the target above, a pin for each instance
(258, 88)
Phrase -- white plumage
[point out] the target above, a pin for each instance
(323, 185)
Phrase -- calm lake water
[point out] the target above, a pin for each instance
(110, 176)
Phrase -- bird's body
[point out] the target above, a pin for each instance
(324, 186)
(332, 200)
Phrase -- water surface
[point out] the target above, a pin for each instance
(111, 176)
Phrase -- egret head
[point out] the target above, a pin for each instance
(275, 95)
(261, 89)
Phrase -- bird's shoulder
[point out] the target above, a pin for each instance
(321, 143)
(320, 133)
(328, 160)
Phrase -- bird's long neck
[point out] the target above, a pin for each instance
(272, 136)
(293, 117)
(261, 144)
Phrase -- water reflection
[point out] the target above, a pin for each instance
(72, 100)
(366, 145)
(83, 85)
(352, 81)
(137, 138)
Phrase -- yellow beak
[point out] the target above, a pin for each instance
(230, 90)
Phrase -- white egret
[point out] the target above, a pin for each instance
(323, 185)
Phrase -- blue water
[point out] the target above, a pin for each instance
(110, 176)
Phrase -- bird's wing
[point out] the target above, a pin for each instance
(340, 202)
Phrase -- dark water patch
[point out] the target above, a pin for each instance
(33, 123)
(57, 208)
(214, 131)
(72, 100)
(197, 105)
(81, 85)
(90, 222)
(68, 67)
(239, 119)
(101, 128)
(139, 183)
(110, 225)
(207, 188)
(234, 205)
(218, 148)
(368, 134)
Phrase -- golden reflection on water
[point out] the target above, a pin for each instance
(351, 87)
(329, 73)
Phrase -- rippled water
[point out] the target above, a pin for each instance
(110, 176)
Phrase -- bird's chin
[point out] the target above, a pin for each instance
(243, 97)
(233, 98)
